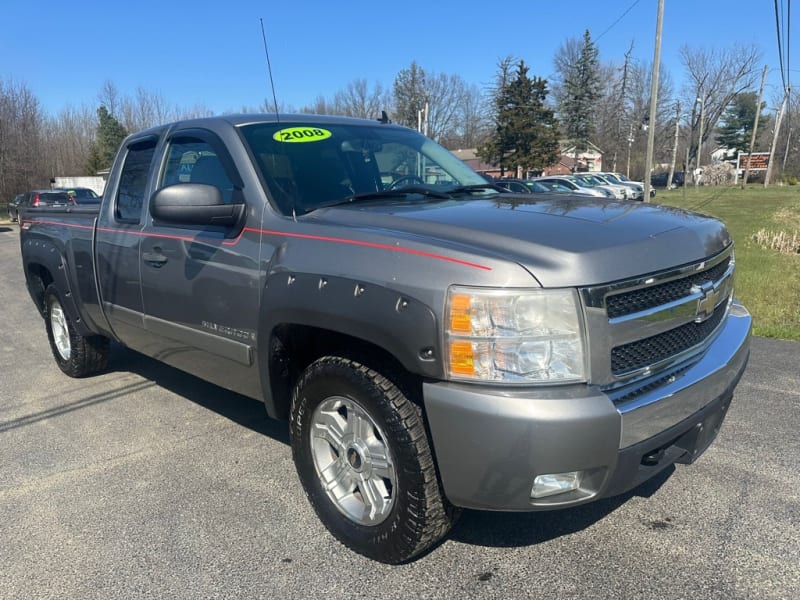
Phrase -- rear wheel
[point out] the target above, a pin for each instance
(360, 448)
(77, 355)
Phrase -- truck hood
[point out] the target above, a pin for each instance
(561, 241)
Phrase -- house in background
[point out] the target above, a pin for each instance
(469, 156)
(589, 160)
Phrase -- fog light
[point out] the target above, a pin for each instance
(555, 483)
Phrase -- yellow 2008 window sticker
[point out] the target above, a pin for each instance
(301, 134)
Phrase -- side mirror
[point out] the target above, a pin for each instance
(195, 204)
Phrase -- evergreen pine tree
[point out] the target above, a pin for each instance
(409, 95)
(110, 134)
(737, 122)
(526, 132)
(580, 94)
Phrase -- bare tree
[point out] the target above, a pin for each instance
(358, 100)
(109, 97)
(713, 78)
(69, 136)
(472, 124)
(144, 109)
(22, 159)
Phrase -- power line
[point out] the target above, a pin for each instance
(788, 30)
(780, 45)
(610, 27)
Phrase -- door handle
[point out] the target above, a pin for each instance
(154, 259)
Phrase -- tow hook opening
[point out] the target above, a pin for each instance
(651, 459)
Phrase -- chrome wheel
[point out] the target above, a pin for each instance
(352, 460)
(60, 328)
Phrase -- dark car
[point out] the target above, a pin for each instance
(36, 198)
(80, 195)
(660, 179)
(513, 185)
(13, 211)
(523, 186)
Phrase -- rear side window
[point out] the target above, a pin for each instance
(133, 181)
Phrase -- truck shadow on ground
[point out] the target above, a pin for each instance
(479, 528)
(508, 530)
(240, 409)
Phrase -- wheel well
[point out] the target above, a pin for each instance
(39, 277)
(293, 348)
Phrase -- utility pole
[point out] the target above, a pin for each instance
(700, 139)
(686, 169)
(775, 135)
(755, 127)
(786, 152)
(630, 143)
(674, 144)
(651, 132)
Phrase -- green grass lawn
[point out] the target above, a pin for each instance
(767, 279)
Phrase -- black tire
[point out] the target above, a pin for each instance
(416, 513)
(75, 354)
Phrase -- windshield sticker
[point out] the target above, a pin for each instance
(301, 134)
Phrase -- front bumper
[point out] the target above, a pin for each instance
(491, 442)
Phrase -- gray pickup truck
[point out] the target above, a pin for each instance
(434, 342)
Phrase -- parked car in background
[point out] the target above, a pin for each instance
(81, 195)
(513, 185)
(42, 198)
(625, 179)
(659, 180)
(620, 191)
(524, 186)
(636, 188)
(576, 186)
(13, 211)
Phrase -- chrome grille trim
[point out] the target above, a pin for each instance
(706, 292)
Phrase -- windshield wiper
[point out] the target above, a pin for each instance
(477, 187)
(384, 194)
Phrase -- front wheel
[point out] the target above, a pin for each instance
(363, 458)
(75, 354)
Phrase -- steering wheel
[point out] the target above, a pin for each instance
(406, 179)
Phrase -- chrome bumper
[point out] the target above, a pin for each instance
(677, 399)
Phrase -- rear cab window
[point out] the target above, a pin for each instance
(133, 179)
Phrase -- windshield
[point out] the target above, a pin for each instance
(591, 180)
(535, 186)
(308, 166)
(580, 182)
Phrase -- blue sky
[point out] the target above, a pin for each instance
(211, 53)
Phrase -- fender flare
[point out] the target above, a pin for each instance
(46, 255)
(402, 326)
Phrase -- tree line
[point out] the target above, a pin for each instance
(519, 121)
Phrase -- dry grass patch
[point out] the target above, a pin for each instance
(782, 241)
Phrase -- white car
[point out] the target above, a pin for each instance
(620, 192)
(617, 179)
(575, 185)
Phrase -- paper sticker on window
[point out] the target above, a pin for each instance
(301, 134)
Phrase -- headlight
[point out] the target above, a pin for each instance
(515, 336)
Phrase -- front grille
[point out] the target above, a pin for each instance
(652, 350)
(628, 303)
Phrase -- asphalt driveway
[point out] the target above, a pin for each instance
(145, 482)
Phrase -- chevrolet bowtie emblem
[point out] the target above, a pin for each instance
(707, 301)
